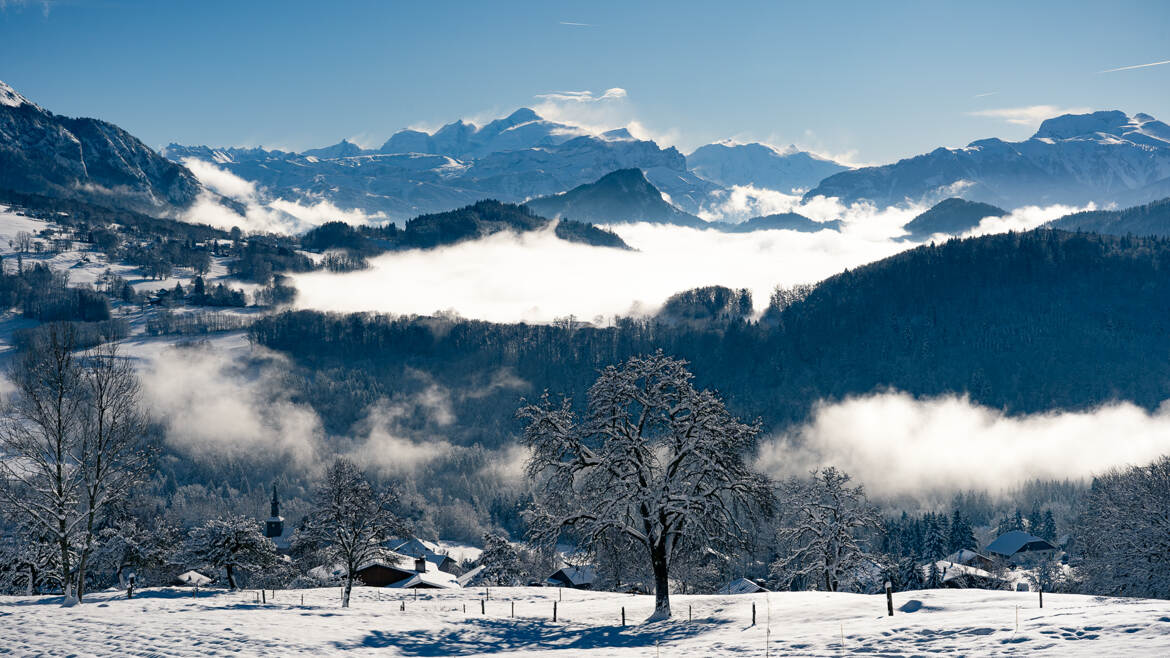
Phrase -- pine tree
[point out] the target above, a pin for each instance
(1047, 528)
(935, 543)
(934, 577)
(909, 575)
(961, 536)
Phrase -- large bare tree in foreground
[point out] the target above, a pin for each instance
(71, 444)
(654, 459)
(40, 464)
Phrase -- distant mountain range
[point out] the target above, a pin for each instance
(563, 170)
(85, 160)
(1105, 157)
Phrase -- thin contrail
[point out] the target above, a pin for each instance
(576, 24)
(1135, 66)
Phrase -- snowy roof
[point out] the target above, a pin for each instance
(966, 556)
(470, 577)
(193, 578)
(952, 570)
(741, 586)
(430, 578)
(1017, 541)
(416, 547)
(583, 575)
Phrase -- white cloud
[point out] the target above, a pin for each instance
(391, 446)
(216, 405)
(1024, 219)
(1031, 115)
(261, 211)
(599, 112)
(613, 93)
(899, 446)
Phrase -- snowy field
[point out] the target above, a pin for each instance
(169, 622)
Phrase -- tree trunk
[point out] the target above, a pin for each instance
(121, 573)
(661, 584)
(68, 599)
(347, 590)
(231, 577)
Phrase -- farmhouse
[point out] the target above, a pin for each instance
(742, 586)
(1017, 545)
(574, 577)
(429, 551)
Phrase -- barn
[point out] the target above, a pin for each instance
(1017, 544)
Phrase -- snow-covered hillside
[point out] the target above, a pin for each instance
(171, 622)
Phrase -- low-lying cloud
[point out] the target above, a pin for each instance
(899, 446)
(217, 405)
(535, 277)
(262, 212)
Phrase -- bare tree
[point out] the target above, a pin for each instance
(655, 460)
(41, 476)
(820, 538)
(351, 521)
(114, 456)
(24, 241)
(1123, 534)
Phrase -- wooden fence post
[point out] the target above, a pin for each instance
(623, 615)
(690, 617)
(513, 609)
(482, 609)
(554, 610)
(753, 613)
(889, 599)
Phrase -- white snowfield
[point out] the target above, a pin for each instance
(169, 622)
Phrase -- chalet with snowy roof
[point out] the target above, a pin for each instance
(275, 527)
(428, 576)
(742, 586)
(970, 558)
(1017, 545)
(575, 577)
(386, 570)
(964, 576)
(429, 551)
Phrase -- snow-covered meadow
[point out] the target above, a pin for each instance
(170, 622)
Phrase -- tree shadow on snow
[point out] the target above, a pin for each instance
(476, 636)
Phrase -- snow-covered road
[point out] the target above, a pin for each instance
(169, 622)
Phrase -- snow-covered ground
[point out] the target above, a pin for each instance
(169, 622)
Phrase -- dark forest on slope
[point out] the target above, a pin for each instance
(1021, 322)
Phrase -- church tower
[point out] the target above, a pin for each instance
(275, 526)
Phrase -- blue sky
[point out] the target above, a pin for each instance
(872, 80)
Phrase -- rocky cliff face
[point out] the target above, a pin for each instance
(85, 159)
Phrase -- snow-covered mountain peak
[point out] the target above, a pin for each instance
(730, 162)
(1106, 126)
(10, 97)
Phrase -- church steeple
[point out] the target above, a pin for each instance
(275, 526)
